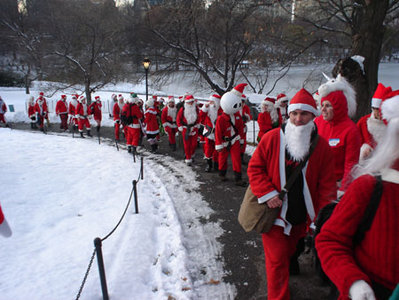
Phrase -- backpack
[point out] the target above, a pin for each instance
(364, 225)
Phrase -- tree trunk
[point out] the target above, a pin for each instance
(367, 36)
(87, 91)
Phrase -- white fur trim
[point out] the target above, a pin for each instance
(303, 106)
(365, 147)
(267, 197)
(376, 128)
(340, 84)
(390, 175)
(390, 108)
(375, 103)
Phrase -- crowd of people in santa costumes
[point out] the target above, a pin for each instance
(61, 110)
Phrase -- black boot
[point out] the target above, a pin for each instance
(88, 133)
(129, 149)
(81, 135)
(243, 162)
(134, 150)
(222, 175)
(294, 264)
(238, 179)
(216, 166)
(209, 165)
(173, 147)
(154, 148)
(98, 128)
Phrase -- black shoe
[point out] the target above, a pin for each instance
(81, 135)
(208, 168)
(216, 166)
(129, 149)
(222, 175)
(238, 180)
(173, 146)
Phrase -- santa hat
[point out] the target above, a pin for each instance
(390, 107)
(81, 98)
(340, 84)
(243, 97)
(5, 229)
(63, 96)
(120, 97)
(303, 100)
(231, 101)
(380, 93)
(154, 97)
(269, 101)
(170, 99)
(189, 99)
(74, 97)
(41, 94)
(97, 98)
(215, 98)
(281, 98)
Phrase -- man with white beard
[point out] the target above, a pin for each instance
(208, 115)
(168, 119)
(275, 159)
(188, 123)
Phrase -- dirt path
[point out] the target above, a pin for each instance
(242, 252)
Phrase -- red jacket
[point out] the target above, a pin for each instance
(31, 110)
(376, 257)
(266, 173)
(343, 136)
(168, 121)
(72, 107)
(83, 110)
(209, 125)
(151, 121)
(225, 133)
(245, 112)
(265, 123)
(182, 123)
(41, 108)
(95, 109)
(61, 107)
(116, 111)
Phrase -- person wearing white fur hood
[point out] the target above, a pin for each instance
(229, 133)
(281, 106)
(371, 126)
(168, 118)
(268, 117)
(338, 104)
(188, 124)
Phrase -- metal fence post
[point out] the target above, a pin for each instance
(136, 204)
(100, 261)
(142, 168)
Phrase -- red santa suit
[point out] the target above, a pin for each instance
(168, 119)
(245, 114)
(266, 172)
(82, 113)
(229, 136)
(62, 110)
(95, 109)
(373, 259)
(281, 108)
(268, 117)
(151, 125)
(72, 110)
(116, 112)
(131, 118)
(41, 111)
(189, 129)
(31, 111)
(342, 135)
(3, 110)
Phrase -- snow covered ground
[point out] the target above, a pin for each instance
(59, 193)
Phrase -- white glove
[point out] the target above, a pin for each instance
(360, 290)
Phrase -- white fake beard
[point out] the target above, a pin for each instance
(272, 112)
(298, 139)
(213, 113)
(377, 128)
(172, 112)
(190, 113)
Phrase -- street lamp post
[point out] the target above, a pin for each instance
(146, 64)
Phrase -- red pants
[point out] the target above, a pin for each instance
(171, 134)
(278, 249)
(83, 123)
(235, 153)
(209, 150)
(189, 145)
(64, 121)
(2, 119)
(133, 136)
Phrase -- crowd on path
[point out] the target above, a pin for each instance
(341, 162)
